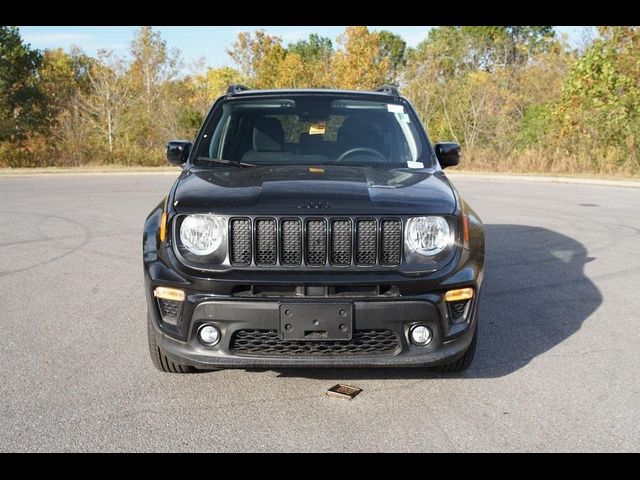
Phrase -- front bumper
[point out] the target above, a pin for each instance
(419, 301)
(398, 316)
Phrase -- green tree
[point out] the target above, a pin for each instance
(479, 84)
(22, 103)
(440, 56)
(62, 77)
(525, 41)
(307, 63)
(490, 47)
(452, 50)
(394, 48)
(316, 48)
(600, 109)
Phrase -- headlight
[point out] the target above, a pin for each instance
(201, 234)
(427, 236)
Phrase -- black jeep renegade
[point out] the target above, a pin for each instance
(312, 228)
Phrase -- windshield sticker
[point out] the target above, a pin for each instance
(415, 164)
(402, 117)
(393, 108)
(317, 128)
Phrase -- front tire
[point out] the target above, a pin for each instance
(159, 358)
(464, 362)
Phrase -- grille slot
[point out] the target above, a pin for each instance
(316, 242)
(241, 241)
(365, 242)
(268, 343)
(291, 242)
(390, 241)
(341, 242)
(266, 241)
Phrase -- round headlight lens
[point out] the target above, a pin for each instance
(427, 235)
(201, 234)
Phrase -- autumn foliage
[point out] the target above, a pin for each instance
(516, 98)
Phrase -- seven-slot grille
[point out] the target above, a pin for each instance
(315, 241)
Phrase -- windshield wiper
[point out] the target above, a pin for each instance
(225, 162)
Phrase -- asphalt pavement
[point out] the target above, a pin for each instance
(556, 367)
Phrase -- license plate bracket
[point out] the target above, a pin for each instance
(316, 321)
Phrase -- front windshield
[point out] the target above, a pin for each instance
(313, 129)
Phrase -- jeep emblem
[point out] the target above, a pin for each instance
(314, 205)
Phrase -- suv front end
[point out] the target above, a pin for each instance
(312, 265)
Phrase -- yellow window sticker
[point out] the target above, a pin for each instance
(317, 128)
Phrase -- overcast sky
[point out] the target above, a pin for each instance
(207, 42)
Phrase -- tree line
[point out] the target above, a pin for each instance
(517, 98)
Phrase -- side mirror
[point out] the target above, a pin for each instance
(178, 152)
(448, 154)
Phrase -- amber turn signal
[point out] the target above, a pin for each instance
(168, 293)
(459, 294)
(465, 230)
(163, 227)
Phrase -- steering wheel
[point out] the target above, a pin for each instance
(352, 151)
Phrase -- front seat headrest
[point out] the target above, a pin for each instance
(351, 128)
(268, 135)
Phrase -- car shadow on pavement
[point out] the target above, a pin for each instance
(535, 295)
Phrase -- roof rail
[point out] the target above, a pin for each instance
(388, 90)
(235, 88)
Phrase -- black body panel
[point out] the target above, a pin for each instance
(297, 189)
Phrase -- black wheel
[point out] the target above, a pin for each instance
(461, 364)
(158, 357)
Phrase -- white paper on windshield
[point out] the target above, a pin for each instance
(415, 164)
(393, 108)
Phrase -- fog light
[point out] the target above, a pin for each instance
(420, 335)
(209, 335)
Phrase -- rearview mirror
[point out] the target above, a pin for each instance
(448, 154)
(178, 152)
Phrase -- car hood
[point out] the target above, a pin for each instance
(308, 190)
